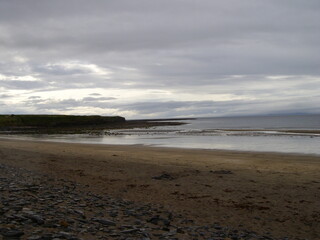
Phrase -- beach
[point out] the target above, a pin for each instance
(268, 193)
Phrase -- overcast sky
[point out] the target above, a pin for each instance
(168, 58)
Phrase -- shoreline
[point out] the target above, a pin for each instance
(154, 147)
(265, 192)
(22, 138)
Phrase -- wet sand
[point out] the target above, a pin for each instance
(264, 192)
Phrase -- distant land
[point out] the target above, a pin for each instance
(56, 120)
(52, 124)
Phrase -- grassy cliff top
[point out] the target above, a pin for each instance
(56, 120)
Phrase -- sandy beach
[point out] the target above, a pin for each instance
(263, 192)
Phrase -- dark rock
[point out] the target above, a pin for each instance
(131, 231)
(221, 172)
(14, 234)
(154, 220)
(163, 176)
(35, 218)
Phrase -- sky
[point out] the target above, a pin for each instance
(160, 59)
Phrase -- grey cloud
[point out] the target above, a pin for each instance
(59, 70)
(60, 105)
(97, 99)
(5, 96)
(13, 84)
(68, 104)
(34, 97)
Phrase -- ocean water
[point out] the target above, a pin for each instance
(310, 122)
(287, 134)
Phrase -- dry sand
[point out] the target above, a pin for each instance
(264, 192)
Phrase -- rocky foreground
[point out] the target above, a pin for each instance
(34, 207)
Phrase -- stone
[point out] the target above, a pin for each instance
(105, 222)
(163, 176)
(12, 233)
(221, 172)
(35, 237)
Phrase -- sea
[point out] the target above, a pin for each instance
(285, 134)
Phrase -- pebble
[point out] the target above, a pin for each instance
(105, 222)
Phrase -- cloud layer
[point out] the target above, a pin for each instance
(171, 58)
